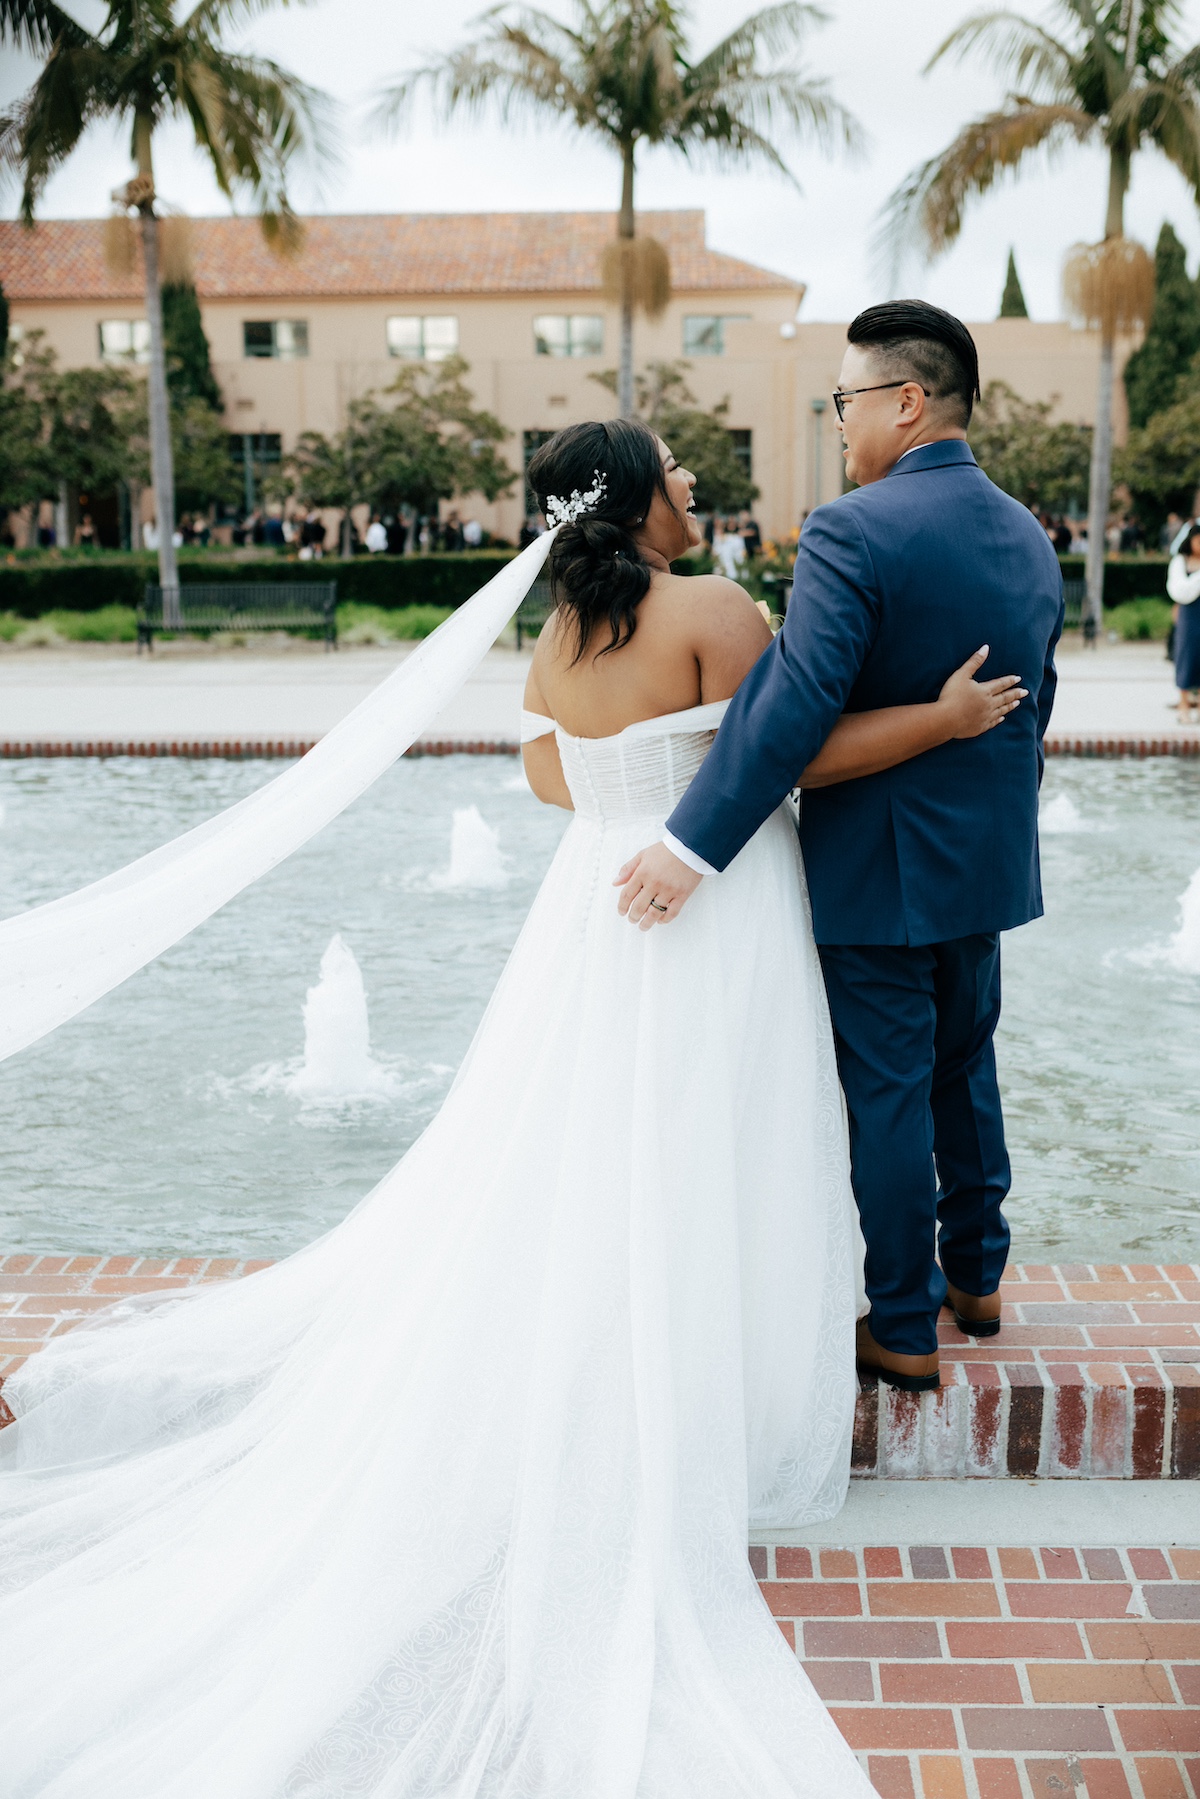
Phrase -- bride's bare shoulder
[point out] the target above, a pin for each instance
(716, 606)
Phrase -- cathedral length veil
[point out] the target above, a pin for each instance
(453, 1503)
(58, 959)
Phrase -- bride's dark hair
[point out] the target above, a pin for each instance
(597, 572)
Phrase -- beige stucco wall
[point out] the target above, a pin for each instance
(770, 377)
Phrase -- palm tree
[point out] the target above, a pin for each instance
(1115, 79)
(142, 67)
(622, 72)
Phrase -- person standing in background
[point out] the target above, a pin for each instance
(377, 537)
(1183, 588)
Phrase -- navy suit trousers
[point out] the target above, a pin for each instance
(914, 1028)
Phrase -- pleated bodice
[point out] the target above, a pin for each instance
(644, 770)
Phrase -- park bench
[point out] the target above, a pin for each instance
(534, 610)
(243, 606)
(1074, 594)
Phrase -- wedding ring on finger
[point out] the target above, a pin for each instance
(659, 908)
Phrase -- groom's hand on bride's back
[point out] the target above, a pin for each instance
(654, 885)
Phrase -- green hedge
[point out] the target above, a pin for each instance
(1134, 578)
(30, 588)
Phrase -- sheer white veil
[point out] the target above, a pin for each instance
(59, 958)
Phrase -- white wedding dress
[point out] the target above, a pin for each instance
(453, 1504)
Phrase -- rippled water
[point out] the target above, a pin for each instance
(176, 1115)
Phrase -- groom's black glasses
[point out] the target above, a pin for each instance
(844, 393)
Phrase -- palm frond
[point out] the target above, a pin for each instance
(37, 25)
(39, 134)
(758, 101)
(209, 16)
(1022, 52)
(1185, 68)
(1168, 113)
(505, 74)
(929, 204)
(775, 30)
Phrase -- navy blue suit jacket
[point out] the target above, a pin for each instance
(896, 584)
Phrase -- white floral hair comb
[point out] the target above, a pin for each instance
(565, 512)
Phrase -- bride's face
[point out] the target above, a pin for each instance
(671, 528)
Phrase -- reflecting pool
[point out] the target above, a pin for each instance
(228, 1098)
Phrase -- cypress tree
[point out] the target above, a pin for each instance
(189, 370)
(1153, 372)
(1012, 301)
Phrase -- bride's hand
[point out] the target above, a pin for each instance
(972, 707)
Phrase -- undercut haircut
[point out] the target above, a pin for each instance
(912, 338)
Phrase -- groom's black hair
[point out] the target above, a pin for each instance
(912, 337)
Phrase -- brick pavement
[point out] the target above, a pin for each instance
(993, 1673)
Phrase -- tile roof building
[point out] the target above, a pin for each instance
(379, 255)
(518, 295)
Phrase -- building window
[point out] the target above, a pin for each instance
(259, 446)
(285, 339)
(422, 339)
(569, 334)
(743, 450)
(704, 333)
(124, 340)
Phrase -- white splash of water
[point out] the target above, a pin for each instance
(476, 859)
(338, 1063)
(1061, 817)
(1183, 951)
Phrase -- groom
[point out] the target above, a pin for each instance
(913, 872)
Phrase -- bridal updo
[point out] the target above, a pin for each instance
(597, 572)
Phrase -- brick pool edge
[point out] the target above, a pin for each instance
(254, 749)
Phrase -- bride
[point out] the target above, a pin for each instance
(453, 1503)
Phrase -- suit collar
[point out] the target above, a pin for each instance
(949, 452)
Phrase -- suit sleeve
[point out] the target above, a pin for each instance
(1046, 693)
(792, 697)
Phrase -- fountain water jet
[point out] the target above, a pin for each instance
(476, 859)
(338, 1063)
(1184, 949)
(1061, 817)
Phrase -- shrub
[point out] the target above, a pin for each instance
(358, 623)
(108, 624)
(1140, 620)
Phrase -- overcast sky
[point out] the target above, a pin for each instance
(871, 50)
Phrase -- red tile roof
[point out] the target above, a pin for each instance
(377, 253)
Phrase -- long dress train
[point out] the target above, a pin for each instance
(453, 1503)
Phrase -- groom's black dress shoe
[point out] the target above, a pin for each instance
(976, 1315)
(911, 1373)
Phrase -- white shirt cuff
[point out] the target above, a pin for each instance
(696, 863)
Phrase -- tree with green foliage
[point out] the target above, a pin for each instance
(1039, 463)
(189, 365)
(1160, 463)
(1012, 300)
(1114, 78)
(431, 444)
(699, 439)
(25, 472)
(3, 323)
(623, 71)
(141, 68)
(1156, 368)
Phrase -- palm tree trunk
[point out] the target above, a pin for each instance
(1100, 480)
(625, 230)
(162, 461)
